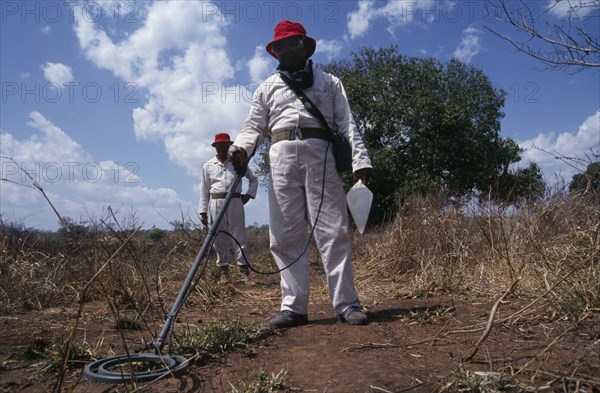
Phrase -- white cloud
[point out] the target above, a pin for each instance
(545, 147)
(50, 145)
(571, 8)
(260, 65)
(58, 73)
(179, 56)
(359, 20)
(329, 48)
(470, 45)
(401, 12)
(77, 185)
(397, 13)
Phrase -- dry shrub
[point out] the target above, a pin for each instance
(563, 258)
(553, 247)
(40, 270)
(426, 249)
(430, 248)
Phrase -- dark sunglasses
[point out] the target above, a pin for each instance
(287, 45)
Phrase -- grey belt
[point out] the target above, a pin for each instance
(290, 134)
(222, 195)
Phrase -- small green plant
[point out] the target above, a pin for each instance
(76, 355)
(263, 384)
(37, 348)
(574, 303)
(4, 362)
(429, 315)
(218, 337)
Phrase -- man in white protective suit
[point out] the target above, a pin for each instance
(218, 176)
(305, 190)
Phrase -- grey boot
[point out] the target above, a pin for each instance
(245, 273)
(223, 274)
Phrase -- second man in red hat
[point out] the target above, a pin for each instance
(218, 175)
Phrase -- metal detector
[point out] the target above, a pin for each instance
(121, 369)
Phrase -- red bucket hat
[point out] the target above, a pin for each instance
(222, 137)
(287, 28)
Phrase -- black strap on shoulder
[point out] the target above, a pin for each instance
(308, 104)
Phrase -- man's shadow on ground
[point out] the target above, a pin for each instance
(394, 314)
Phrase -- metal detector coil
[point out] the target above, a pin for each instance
(121, 369)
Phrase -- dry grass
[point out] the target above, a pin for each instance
(548, 254)
(41, 270)
(553, 248)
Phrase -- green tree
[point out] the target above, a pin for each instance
(520, 185)
(588, 181)
(430, 127)
(157, 233)
(76, 229)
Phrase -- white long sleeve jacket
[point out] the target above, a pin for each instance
(218, 177)
(275, 106)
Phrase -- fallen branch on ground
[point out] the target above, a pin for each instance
(490, 323)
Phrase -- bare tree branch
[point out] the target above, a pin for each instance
(557, 41)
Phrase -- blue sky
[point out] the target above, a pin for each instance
(115, 103)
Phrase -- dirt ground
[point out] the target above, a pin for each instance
(416, 345)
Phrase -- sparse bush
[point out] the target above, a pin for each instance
(206, 295)
(465, 381)
(40, 270)
(219, 337)
(66, 353)
(156, 234)
(428, 249)
(263, 384)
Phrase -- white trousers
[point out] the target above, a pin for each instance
(233, 222)
(295, 192)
